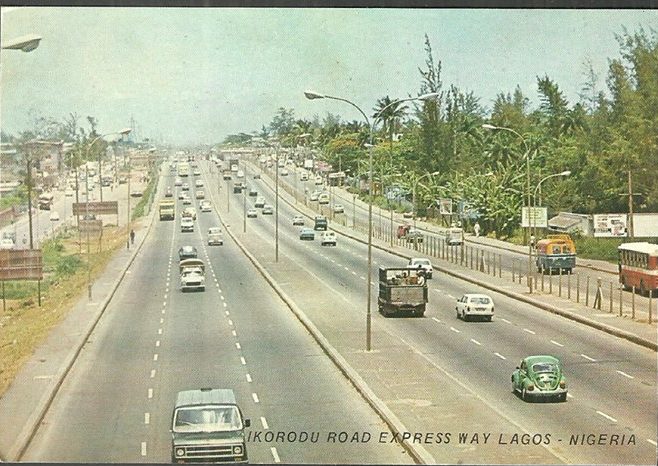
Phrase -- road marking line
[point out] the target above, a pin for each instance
(372, 283)
(569, 395)
(529, 331)
(157, 343)
(455, 330)
(143, 448)
(606, 416)
(243, 361)
(235, 334)
(625, 374)
(556, 343)
(436, 320)
(159, 331)
(249, 378)
(147, 418)
(652, 442)
(264, 422)
(230, 322)
(255, 397)
(164, 304)
(165, 297)
(224, 306)
(152, 373)
(275, 455)
(362, 277)
(500, 356)
(353, 272)
(161, 320)
(150, 394)
(346, 268)
(155, 357)
(588, 358)
(333, 260)
(163, 311)
(476, 342)
(505, 320)
(450, 296)
(237, 345)
(221, 297)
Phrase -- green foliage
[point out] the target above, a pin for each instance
(597, 248)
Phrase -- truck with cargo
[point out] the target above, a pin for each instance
(167, 209)
(402, 290)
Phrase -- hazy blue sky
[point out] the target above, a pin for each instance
(196, 75)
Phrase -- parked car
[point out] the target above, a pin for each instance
(133, 193)
(339, 209)
(298, 220)
(198, 184)
(178, 182)
(306, 234)
(475, 305)
(423, 263)
(169, 193)
(187, 252)
(268, 209)
(54, 216)
(328, 238)
(252, 213)
(540, 377)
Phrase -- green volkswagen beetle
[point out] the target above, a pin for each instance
(540, 377)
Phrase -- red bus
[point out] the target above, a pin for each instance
(638, 266)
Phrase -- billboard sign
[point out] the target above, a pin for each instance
(445, 206)
(538, 217)
(308, 163)
(610, 225)
(96, 208)
(90, 226)
(21, 264)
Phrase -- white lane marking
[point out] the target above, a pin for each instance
(222, 297)
(249, 378)
(243, 361)
(255, 397)
(625, 374)
(652, 442)
(152, 373)
(346, 268)
(505, 320)
(275, 455)
(588, 358)
(529, 331)
(476, 342)
(353, 272)
(455, 330)
(165, 297)
(143, 448)
(220, 290)
(155, 357)
(227, 313)
(230, 322)
(372, 283)
(147, 418)
(159, 331)
(362, 277)
(606, 416)
(224, 305)
(150, 393)
(157, 343)
(450, 296)
(235, 334)
(264, 422)
(556, 343)
(237, 345)
(163, 311)
(333, 260)
(569, 395)
(500, 356)
(162, 320)
(436, 320)
(164, 304)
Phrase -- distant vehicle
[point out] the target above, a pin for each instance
(540, 377)
(475, 305)
(192, 275)
(402, 290)
(198, 184)
(323, 198)
(455, 236)
(328, 238)
(268, 209)
(106, 181)
(339, 209)
(189, 212)
(197, 172)
(409, 234)
(215, 236)
(186, 224)
(423, 263)
(6, 243)
(314, 196)
(303, 176)
(45, 201)
(318, 180)
(182, 195)
(123, 180)
(253, 192)
(187, 252)
(320, 223)
(408, 214)
(167, 209)
(207, 425)
(205, 206)
(183, 169)
(226, 175)
(260, 202)
(252, 213)
(169, 193)
(284, 172)
(200, 195)
(306, 234)
(185, 187)
(69, 192)
(556, 253)
(256, 176)
(187, 200)
(298, 220)
(238, 187)
(638, 266)
(178, 182)
(240, 174)
(136, 193)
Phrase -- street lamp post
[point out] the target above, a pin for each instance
(534, 197)
(100, 174)
(311, 95)
(527, 167)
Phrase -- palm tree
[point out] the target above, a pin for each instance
(389, 113)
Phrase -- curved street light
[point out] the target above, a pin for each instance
(534, 197)
(100, 180)
(312, 95)
(26, 43)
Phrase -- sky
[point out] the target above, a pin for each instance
(196, 75)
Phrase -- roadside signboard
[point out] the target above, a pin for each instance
(445, 206)
(21, 264)
(96, 208)
(538, 217)
(308, 163)
(610, 225)
(91, 226)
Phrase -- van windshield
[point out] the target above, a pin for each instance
(207, 419)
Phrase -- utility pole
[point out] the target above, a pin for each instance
(630, 204)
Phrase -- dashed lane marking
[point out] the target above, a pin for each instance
(155, 357)
(353, 272)
(362, 277)
(157, 343)
(243, 361)
(529, 331)
(230, 322)
(588, 358)
(143, 448)
(455, 330)
(237, 345)
(476, 342)
(264, 422)
(150, 393)
(147, 418)
(505, 320)
(235, 334)
(500, 356)
(255, 397)
(556, 343)
(569, 395)
(625, 374)
(159, 331)
(152, 373)
(436, 320)
(606, 416)
(162, 320)
(249, 378)
(275, 455)
(652, 442)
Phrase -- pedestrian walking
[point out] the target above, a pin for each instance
(132, 236)
(476, 229)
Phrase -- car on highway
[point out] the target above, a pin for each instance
(423, 263)
(169, 193)
(215, 236)
(187, 200)
(328, 238)
(185, 187)
(69, 192)
(323, 198)
(252, 213)
(200, 195)
(473, 305)
(186, 224)
(298, 220)
(320, 223)
(189, 212)
(314, 195)
(318, 180)
(6, 243)
(539, 377)
(134, 193)
(260, 202)
(339, 209)
(54, 216)
(284, 172)
(198, 184)
(256, 176)
(178, 182)
(268, 209)
(205, 206)
(123, 179)
(187, 252)
(253, 193)
(196, 172)
(306, 234)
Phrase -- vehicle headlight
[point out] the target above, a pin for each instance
(563, 384)
(237, 450)
(530, 387)
(180, 451)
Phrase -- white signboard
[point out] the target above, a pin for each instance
(645, 225)
(538, 217)
(445, 206)
(610, 225)
(308, 163)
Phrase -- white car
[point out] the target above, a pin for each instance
(339, 209)
(69, 192)
(423, 263)
(200, 195)
(298, 220)
(206, 206)
(178, 182)
(215, 236)
(198, 184)
(318, 180)
(475, 305)
(186, 224)
(252, 213)
(54, 216)
(268, 209)
(328, 238)
(323, 198)
(260, 202)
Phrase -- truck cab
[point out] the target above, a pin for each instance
(207, 426)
